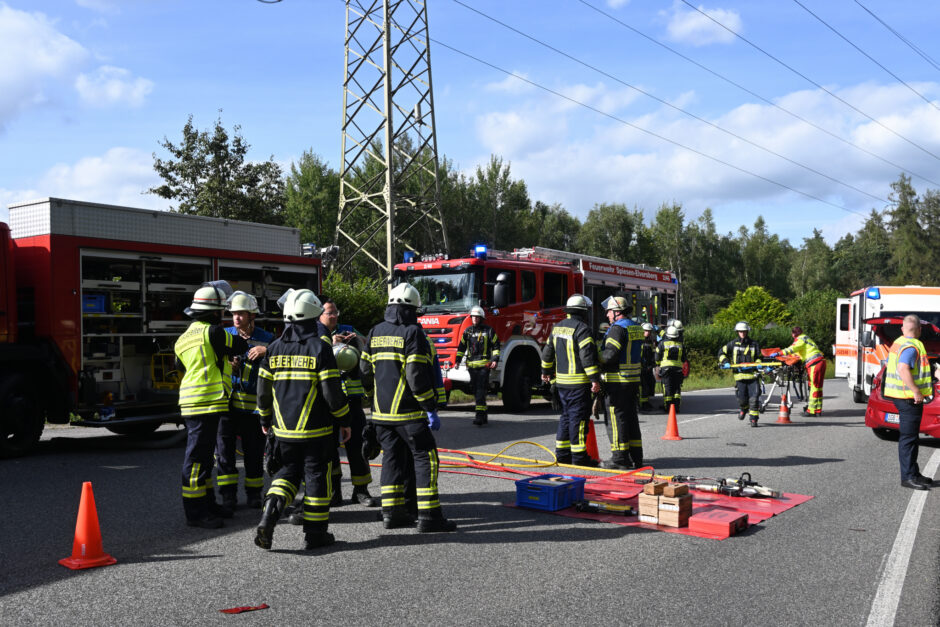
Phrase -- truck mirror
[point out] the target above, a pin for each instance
(501, 290)
(868, 339)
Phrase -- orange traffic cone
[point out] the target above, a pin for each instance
(86, 548)
(672, 427)
(590, 443)
(784, 416)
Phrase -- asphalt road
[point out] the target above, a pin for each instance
(823, 562)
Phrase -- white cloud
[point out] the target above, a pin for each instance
(101, 6)
(511, 84)
(691, 27)
(109, 85)
(120, 177)
(33, 55)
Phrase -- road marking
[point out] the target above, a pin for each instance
(885, 606)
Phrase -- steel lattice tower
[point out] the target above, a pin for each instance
(389, 179)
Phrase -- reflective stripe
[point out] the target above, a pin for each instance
(894, 386)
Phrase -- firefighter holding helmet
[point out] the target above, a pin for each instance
(300, 397)
(570, 356)
(480, 345)
(242, 417)
(202, 354)
(397, 360)
(743, 350)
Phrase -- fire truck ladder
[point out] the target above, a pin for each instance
(389, 177)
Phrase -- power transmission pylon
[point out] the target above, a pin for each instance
(389, 192)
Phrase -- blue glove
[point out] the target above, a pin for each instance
(772, 355)
(434, 421)
(725, 366)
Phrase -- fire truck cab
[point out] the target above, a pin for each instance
(524, 294)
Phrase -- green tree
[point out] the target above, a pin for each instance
(910, 248)
(815, 313)
(312, 199)
(206, 174)
(756, 306)
(766, 259)
(863, 259)
(610, 231)
(554, 227)
(361, 301)
(812, 266)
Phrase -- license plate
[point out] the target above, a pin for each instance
(892, 419)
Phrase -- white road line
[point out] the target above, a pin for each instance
(885, 606)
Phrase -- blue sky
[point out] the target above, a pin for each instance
(89, 87)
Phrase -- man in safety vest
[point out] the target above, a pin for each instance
(743, 350)
(481, 345)
(815, 363)
(300, 397)
(570, 356)
(242, 417)
(397, 357)
(620, 359)
(908, 381)
(202, 354)
(669, 358)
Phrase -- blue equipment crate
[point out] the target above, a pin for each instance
(93, 303)
(549, 497)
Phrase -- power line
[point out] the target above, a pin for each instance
(669, 104)
(758, 96)
(868, 56)
(911, 45)
(643, 130)
(809, 80)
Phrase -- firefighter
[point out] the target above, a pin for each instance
(300, 397)
(743, 350)
(598, 407)
(647, 363)
(481, 346)
(620, 359)
(571, 356)
(242, 418)
(815, 363)
(669, 357)
(347, 345)
(397, 361)
(202, 354)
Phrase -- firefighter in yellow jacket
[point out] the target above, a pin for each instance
(480, 344)
(301, 398)
(202, 354)
(815, 363)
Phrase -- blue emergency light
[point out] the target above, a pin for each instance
(479, 251)
(873, 293)
(409, 256)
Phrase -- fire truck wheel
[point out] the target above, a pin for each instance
(517, 388)
(22, 419)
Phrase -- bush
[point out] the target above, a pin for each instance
(702, 343)
(756, 306)
(361, 303)
(815, 313)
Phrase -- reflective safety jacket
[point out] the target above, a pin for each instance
(621, 352)
(894, 386)
(805, 348)
(245, 374)
(739, 351)
(480, 344)
(670, 354)
(570, 355)
(397, 360)
(440, 393)
(203, 352)
(299, 392)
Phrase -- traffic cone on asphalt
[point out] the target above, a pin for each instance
(590, 443)
(672, 427)
(87, 551)
(784, 416)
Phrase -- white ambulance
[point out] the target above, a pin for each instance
(858, 351)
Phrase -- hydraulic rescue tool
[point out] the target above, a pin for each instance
(600, 507)
(742, 486)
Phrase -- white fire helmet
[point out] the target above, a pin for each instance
(742, 326)
(302, 305)
(672, 333)
(477, 311)
(212, 296)
(578, 301)
(404, 294)
(240, 301)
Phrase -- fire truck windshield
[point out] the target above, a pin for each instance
(445, 292)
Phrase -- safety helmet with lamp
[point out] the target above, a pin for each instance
(301, 306)
(404, 294)
(742, 326)
(347, 357)
(240, 301)
(477, 311)
(616, 303)
(578, 301)
(672, 333)
(211, 296)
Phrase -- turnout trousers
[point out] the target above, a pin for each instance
(815, 375)
(672, 387)
(909, 417)
(201, 431)
(308, 461)
(748, 394)
(409, 453)
(570, 439)
(625, 438)
(359, 472)
(245, 425)
(479, 382)
(647, 385)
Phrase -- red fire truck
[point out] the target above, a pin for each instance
(524, 294)
(91, 304)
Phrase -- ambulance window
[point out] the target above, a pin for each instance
(528, 286)
(844, 317)
(556, 289)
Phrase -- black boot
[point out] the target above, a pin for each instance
(264, 533)
(361, 495)
(220, 511)
(479, 420)
(617, 464)
(337, 500)
(253, 499)
(438, 524)
(396, 517)
(317, 539)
